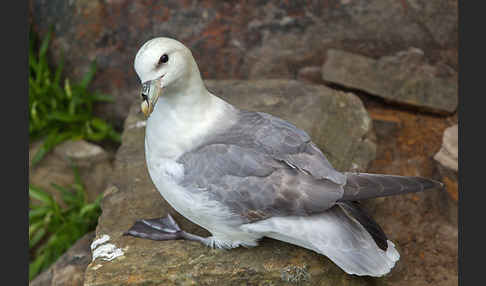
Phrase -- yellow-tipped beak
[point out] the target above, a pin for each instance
(151, 91)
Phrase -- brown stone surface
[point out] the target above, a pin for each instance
(69, 269)
(423, 225)
(310, 74)
(250, 39)
(133, 196)
(404, 77)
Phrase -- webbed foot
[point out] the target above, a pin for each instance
(161, 229)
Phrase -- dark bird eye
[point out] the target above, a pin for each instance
(163, 59)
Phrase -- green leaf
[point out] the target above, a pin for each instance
(57, 76)
(101, 97)
(100, 124)
(89, 75)
(77, 177)
(68, 118)
(67, 89)
(33, 227)
(45, 44)
(35, 266)
(68, 196)
(115, 136)
(55, 238)
(61, 111)
(39, 155)
(88, 209)
(40, 195)
(39, 234)
(37, 212)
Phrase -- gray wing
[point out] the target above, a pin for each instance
(262, 167)
(282, 141)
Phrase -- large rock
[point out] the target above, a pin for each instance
(316, 109)
(404, 78)
(249, 39)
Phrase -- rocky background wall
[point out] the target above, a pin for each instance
(241, 39)
(388, 66)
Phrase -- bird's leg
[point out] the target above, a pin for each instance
(162, 229)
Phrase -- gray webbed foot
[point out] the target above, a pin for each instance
(161, 229)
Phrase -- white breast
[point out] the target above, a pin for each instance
(169, 134)
(195, 206)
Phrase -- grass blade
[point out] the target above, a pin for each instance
(37, 237)
(68, 197)
(45, 44)
(35, 266)
(89, 75)
(37, 212)
(57, 75)
(40, 195)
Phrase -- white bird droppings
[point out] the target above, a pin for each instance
(106, 251)
(104, 238)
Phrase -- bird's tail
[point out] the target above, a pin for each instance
(360, 186)
(337, 233)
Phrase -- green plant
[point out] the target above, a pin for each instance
(57, 112)
(52, 228)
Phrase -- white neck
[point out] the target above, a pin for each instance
(180, 120)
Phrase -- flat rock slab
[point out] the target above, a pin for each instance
(133, 196)
(404, 78)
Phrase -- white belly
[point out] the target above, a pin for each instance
(195, 206)
(198, 208)
(167, 143)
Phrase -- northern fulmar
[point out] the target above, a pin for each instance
(244, 175)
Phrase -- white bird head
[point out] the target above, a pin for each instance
(166, 66)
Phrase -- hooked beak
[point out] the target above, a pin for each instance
(151, 90)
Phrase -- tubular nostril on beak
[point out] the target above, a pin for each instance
(145, 91)
(151, 91)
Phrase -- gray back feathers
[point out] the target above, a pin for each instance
(263, 166)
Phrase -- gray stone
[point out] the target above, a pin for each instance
(335, 120)
(448, 153)
(69, 269)
(252, 39)
(310, 74)
(93, 163)
(404, 78)
(447, 159)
